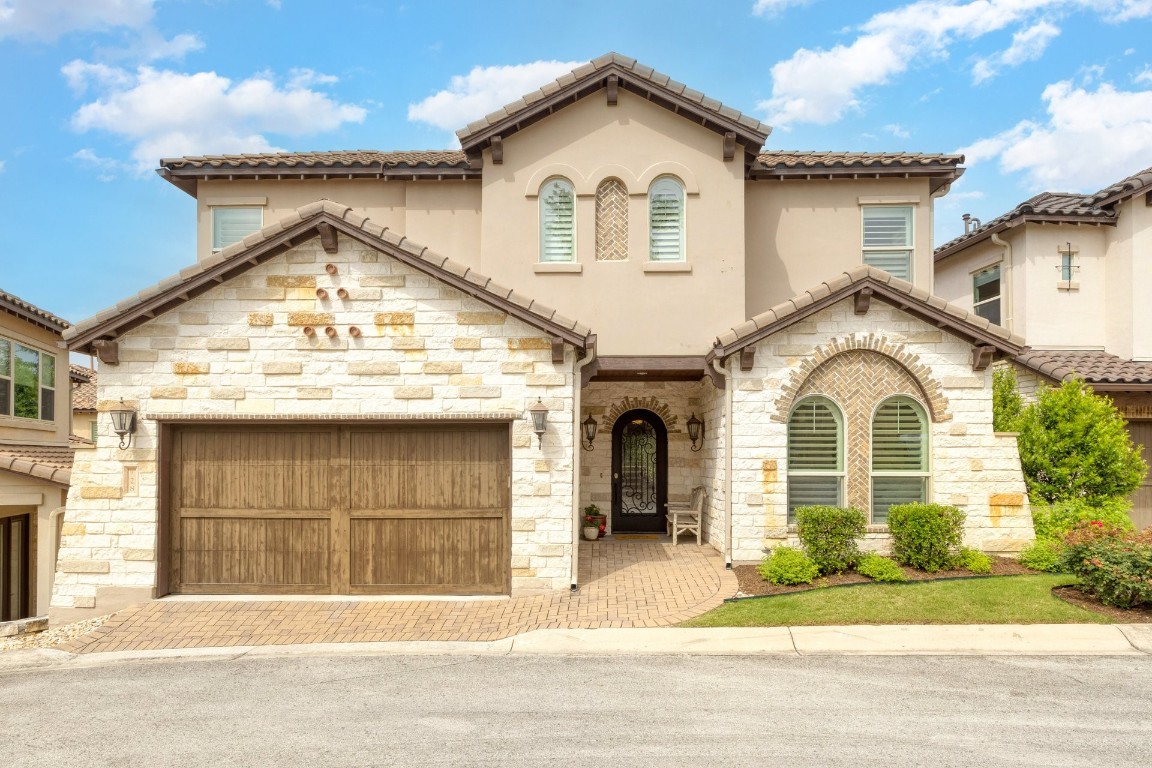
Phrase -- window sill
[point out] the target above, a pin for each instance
(22, 423)
(1065, 285)
(554, 267)
(668, 266)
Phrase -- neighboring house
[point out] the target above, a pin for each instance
(339, 397)
(1070, 274)
(83, 402)
(35, 456)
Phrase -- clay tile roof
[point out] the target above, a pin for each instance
(1123, 189)
(84, 396)
(769, 161)
(1091, 366)
(14, 305)
(350, 159)
(45, 462)
(78, 374)
(884, 286)
(280, 236)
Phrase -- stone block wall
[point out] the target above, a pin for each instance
(240, 350)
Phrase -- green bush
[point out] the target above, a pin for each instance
(788, 565)
(973, 560)
(1115, 564)
(829, 536)
(1074, 445)
(1007, 405)
(1042, 555)
(880, 568)
(1054, 521)
(925, 536)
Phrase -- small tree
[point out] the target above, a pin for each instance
(1007, 405)
(1074, 445)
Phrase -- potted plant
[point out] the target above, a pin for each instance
(592, 517)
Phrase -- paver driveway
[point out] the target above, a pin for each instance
(646, 583)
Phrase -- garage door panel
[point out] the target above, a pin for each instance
(255, 551)
(428, 555)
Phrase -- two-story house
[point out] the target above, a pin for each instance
(1068, 272)
(410, 371)
(35, 456)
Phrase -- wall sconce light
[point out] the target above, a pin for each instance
(539, 413)
(123, 423)
(589, 427)
(695, 432)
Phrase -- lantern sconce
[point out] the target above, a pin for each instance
(696, 432)
(123, 423)
(588, 428)
(539, 413)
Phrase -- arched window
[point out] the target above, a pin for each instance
(666, 220)
(815, 455)
(611, 221)
(899, 455)
(557, 221)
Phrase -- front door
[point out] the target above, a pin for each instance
(639, 473)
(15, 592)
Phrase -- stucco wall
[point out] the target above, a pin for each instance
(239, 349)
(19, 495)
(1058, 315)
(22, 430)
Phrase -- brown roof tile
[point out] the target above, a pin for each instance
(1091, 366)
(45, 462)
(349, 159)
(14, 305)
(768, 161)
(84, 396)
(1123, 189)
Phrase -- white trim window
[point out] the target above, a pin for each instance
(27, 382)
(899, 455)
(666, 220)
(887, 238)
(815, 455)
(232, 224)
(986, 294)
(557, 221)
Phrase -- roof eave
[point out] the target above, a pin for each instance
(33, 318)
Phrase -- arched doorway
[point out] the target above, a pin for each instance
(639, 472)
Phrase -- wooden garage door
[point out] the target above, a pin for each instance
(1141, 432)
(416, 509)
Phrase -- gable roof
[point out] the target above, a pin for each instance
(1102, 370)
(899, 293)
(631, 76)
(1124, 189)
(941, 169)
(44, 462)
(30, 313)
(301, 226)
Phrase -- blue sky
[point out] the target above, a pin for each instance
(1039, 94)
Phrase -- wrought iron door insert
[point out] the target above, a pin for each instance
(639, 472)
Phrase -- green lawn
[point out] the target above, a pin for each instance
(998, 600)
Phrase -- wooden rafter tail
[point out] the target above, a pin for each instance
(327, 237)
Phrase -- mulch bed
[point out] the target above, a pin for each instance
(753, 584)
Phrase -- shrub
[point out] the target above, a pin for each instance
(973, 560)
(925, 536)
(1054, 521)
(1113, 563)
(1042, 555)
(829, 536)
(1074, 445)
(1007, 405)
(788, 565)
(880, 568)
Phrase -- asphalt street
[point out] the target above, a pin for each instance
(581, 711)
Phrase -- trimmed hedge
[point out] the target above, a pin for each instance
(829, 536)
(788, 565)
(925, 536)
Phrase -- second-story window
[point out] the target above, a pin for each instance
(27, 382)
(666, 220)
(888, 239)
(986, 294)
(233, 224)
(557, 221)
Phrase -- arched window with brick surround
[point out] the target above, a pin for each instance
(899, 455)
(815, 455)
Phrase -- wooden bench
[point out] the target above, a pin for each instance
(687, 518)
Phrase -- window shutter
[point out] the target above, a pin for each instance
(889, 490)
(815, 455)
(666, 221)
(231, 225)
(558, 222)
(888, 240)
(896, 263)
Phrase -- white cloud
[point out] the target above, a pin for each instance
(1091, 139)
(1131, 9)
(107, 169)
(483, 90)
(163, 113)
(1144, 77)
(1027, 45)
(1, 166)
(774, 7)
(50, 19)
(897, 130)
(306, 78)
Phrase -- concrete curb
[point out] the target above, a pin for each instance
(897, 640)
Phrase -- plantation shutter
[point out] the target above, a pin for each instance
(899, 445)
(231, 225)
(666, 221)
(888, 240)
(815, 455)
(558, 222)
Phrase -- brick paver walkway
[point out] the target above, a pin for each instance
(646, 583)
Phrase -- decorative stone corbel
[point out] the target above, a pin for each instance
(863, 300)
(747, 358)
(613, 84)
(327, 237)
(497, 150)
(557, 350)
(729, 146)
(982, 356)
(107, 351)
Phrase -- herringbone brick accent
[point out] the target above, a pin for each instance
(611, 221)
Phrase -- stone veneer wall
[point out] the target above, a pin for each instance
(971, 467)
(239, 350)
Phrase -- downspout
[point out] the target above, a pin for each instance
(717, 366)
(577, 454)
(1006, 287)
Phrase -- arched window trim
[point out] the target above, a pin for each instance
(840, 470)
(666, 227)
(557, 225)
(923, 473)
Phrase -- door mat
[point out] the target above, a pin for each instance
(635, 536)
